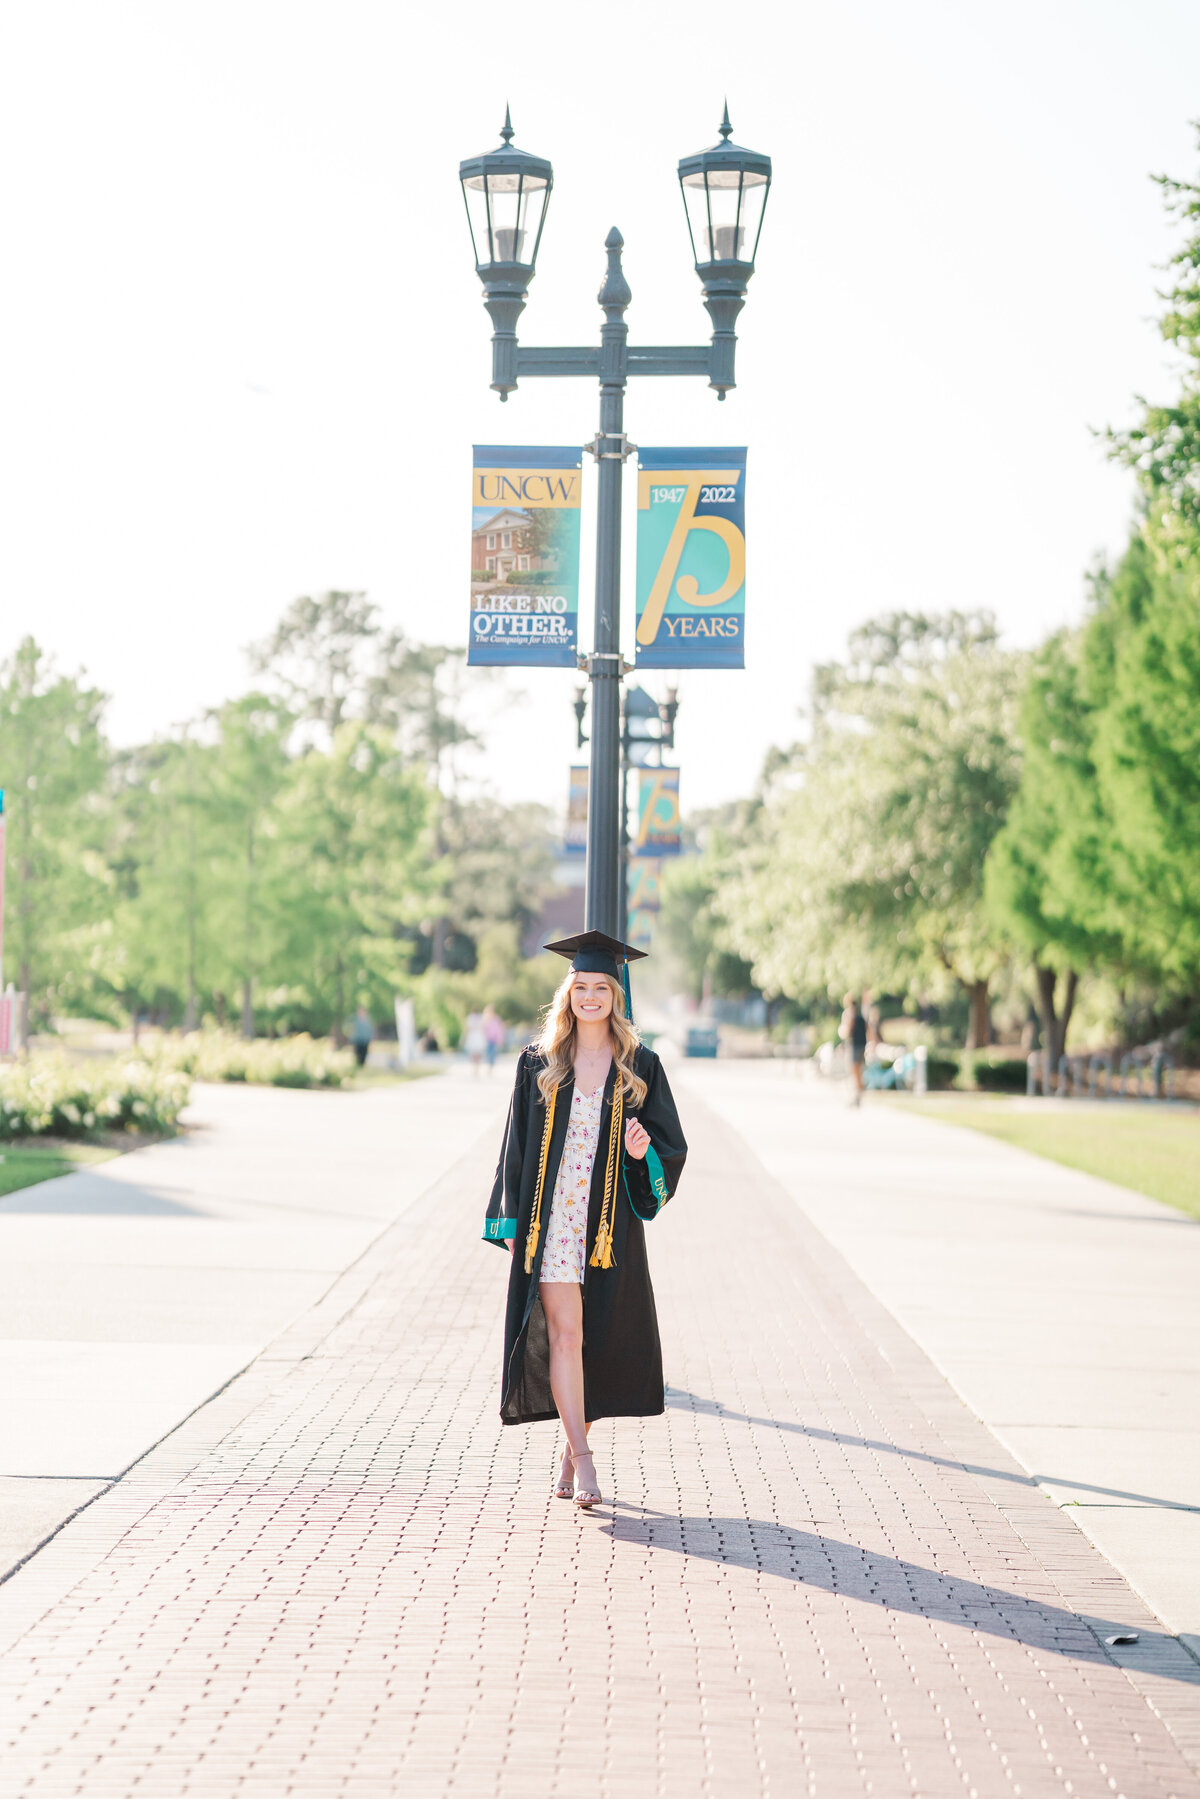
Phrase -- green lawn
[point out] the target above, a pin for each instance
(24, 1164)
(1154, 1152)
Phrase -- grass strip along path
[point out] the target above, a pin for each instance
(25, 1164)
(1152, 1151)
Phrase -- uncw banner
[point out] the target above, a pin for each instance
(691, 558)
(524, 556)
(658, 826)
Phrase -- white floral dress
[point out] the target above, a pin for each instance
(566, 1232)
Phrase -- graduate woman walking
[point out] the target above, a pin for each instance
(592, 1149)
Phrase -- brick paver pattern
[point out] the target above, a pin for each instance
(816, 1575)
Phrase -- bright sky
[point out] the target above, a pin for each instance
(246, 352)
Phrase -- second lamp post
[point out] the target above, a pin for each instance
(507, 192)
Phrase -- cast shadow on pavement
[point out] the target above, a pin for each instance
(94, 1196)
(678, 1399)
(827, 1565)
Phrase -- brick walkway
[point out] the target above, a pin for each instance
(816, 1575)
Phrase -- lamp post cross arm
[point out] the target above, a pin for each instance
(640, 359)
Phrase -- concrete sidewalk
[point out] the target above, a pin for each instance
(818, 1574)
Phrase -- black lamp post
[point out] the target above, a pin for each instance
(507, 192)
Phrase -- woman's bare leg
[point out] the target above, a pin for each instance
(562, 1302)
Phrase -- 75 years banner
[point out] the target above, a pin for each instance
(691, 558)
(658, 824)
(524, 556)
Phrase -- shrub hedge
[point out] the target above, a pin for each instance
(48, 1095)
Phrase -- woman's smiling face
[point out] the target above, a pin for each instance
(591, 998)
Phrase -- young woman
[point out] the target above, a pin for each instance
(591, 1149)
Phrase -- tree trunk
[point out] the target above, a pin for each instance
(979, 1030)
(1072, 987)
(247, 1009)
(338, 1032)
(1054, 1024)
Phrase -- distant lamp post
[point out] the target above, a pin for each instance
(647, 729)
(507, 192)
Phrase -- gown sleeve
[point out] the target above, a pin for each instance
(651, 1181)
(500, 1219)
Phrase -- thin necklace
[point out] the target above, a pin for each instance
(599, 1083)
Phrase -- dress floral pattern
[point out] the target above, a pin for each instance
(566, 1233)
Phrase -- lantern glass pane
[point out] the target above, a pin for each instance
(725, 211)
(477, 215)
(506, 213)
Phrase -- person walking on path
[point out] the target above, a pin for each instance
(362, 1033)
(592, 1149)
(495, 1034)
(853, 1033)
(474, 1040)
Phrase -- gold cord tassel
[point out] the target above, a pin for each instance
(535, 1226)
(602, 1254)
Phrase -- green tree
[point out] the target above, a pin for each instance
(52, 765)
(1163, 447)
(498, 863)
(1048, 879)
(250, 768)
(1144, 644)
(170, 949)
(1099, 863)
(866, 863)
(329, 660)
(692, 927)
(353, 869)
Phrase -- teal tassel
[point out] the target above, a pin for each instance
(628, 994)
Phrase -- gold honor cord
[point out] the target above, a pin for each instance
(602, 1256)
(535, 1227)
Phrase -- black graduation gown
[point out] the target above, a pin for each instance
(622, 1359)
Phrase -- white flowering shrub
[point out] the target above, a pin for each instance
(300, 1061)
(48, 1095)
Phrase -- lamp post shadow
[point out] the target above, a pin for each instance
(825, 1564)
(678, 1399)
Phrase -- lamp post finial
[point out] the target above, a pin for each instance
(726, 128)
(506, 130)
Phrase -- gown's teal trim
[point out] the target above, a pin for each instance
(497, 1230)
(658, 1180)
(658, 1183)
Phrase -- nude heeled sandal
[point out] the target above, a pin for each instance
(585, 1497)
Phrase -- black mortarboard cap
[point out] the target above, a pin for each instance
(594, 952)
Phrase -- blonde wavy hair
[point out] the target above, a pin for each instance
(559, 1034)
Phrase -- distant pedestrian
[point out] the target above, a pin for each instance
(853, 1033)
(362, 1033)
(495, 1034)
(475, 1040)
